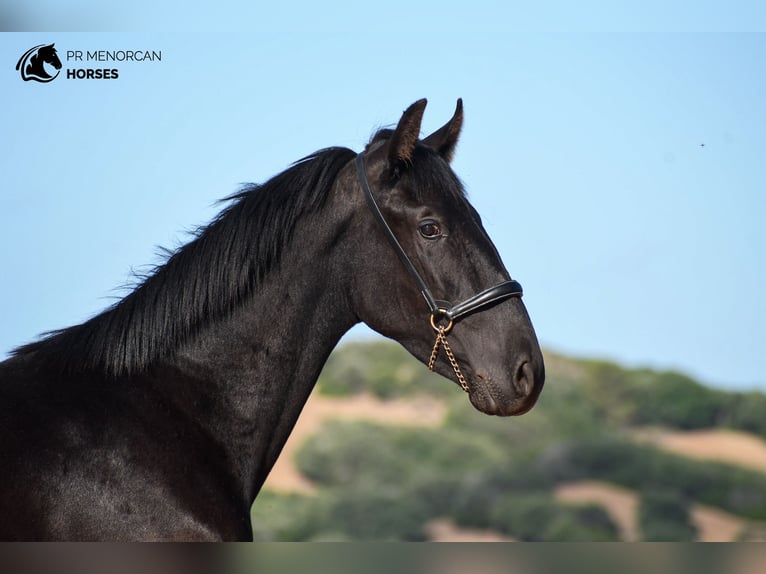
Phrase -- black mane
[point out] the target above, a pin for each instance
(200, 282)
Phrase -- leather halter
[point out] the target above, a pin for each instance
(439, 309)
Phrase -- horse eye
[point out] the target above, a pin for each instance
(430, 230)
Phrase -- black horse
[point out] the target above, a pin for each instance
(160, 418)
(31, 63)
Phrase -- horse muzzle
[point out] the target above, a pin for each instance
(510, 395)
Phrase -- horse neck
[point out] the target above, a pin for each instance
(246, 378)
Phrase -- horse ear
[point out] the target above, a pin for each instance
(406, 136)
(444, 140)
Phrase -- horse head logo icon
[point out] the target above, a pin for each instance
(32, 63)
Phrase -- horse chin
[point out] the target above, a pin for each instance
(484, 401)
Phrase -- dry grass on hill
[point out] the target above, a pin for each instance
(622, 504)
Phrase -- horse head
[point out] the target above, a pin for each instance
(458, 289)
(49, 55)
(32, 63)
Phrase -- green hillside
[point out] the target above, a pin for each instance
(384, 482)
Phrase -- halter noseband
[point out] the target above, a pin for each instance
(439, 309)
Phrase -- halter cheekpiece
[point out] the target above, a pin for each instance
(440, 310)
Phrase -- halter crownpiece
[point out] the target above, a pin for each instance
(439, 309)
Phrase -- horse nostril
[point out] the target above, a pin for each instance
(528, 383)
(524, 379)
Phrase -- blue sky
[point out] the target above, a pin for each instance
(581, 150)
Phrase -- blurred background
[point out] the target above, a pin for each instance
(385, 450)
(616, 156)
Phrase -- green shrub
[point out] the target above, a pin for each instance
(382, 368)
(366, 515)
(612, 391)
(625, 397)
(664, 517)
(354, 453)
(745, 411)
(534, 516)
(675, 400)
(287, 517)
(732, 488)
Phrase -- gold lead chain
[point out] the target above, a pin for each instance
(441, 339)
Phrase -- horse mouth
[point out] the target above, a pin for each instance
(490, 398)
(485, 403)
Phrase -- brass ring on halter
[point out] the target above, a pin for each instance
(441, 313)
